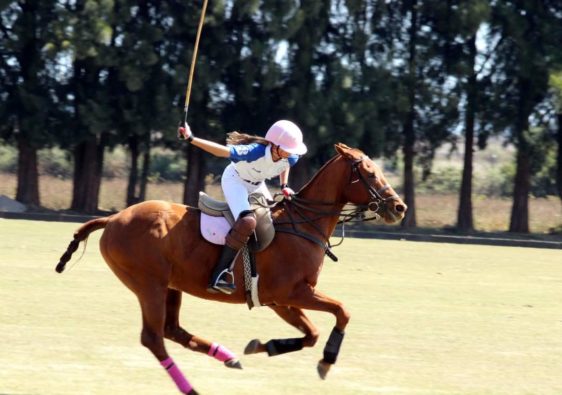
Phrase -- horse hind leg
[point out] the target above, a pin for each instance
(295, 317)
(153, 305)
(151, 290)
(173, 331)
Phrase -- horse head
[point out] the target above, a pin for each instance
(368, 186)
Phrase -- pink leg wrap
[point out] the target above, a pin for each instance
(177, 375)
(220, 352)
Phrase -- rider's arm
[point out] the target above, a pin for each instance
(284, 177)
(216, 149)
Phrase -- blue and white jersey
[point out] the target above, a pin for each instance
(253, 162)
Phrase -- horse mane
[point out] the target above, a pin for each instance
(319, 171)
(339, 154)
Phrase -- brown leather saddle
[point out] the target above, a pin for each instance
(264, 233)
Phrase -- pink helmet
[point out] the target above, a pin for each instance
(288, 136)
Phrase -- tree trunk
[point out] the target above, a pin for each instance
(133, 171)
(520, 210)
(144, 174)
(409, 220)
(83, 157)
(27, 107)
(100, 154)
(464, 218)
(195, 181)
(28, 176)
(559, 157)
(88, 160)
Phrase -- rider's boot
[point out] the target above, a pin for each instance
(222, 278)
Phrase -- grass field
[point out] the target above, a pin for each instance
(426, 319)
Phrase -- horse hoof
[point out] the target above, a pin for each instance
(233, 363)
(252, 347)
(323, 369)
(192, 392)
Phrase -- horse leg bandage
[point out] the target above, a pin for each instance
(282, 346)
(176, 375)
(221, 353)
(332, 348)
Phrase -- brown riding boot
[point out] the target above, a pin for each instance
(222, 278)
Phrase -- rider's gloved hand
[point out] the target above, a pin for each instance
(287, 192)
(185, 133)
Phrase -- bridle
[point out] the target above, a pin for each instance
(375, 194)
(298, 210)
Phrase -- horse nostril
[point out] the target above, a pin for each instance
(400, 208)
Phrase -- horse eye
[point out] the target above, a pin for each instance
(372, 175)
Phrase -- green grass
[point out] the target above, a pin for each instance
(426, 319)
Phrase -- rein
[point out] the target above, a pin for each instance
(356, 214)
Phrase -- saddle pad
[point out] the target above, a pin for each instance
(214, 229)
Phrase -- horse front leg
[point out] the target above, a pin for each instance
(306, 297)
(295, 317)
(173, 331)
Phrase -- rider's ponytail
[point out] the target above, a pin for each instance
(237, 138)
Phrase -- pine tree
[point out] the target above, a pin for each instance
(466, 20)
(529, 34)
(26, 101)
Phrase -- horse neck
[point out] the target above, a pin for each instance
(327, 186)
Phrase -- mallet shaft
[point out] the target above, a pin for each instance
(194, 59)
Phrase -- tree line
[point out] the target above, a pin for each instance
(390, 77)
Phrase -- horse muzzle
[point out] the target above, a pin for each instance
(394, 211)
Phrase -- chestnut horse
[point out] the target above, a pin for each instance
(155, 248)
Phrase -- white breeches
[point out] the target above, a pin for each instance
(236, 191)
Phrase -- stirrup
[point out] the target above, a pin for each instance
(223, 285)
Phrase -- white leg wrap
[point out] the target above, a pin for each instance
(254, 291)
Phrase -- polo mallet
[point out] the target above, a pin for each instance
(192, 68)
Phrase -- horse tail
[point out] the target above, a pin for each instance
(80, 235)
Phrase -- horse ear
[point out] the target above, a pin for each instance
(343, 149)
